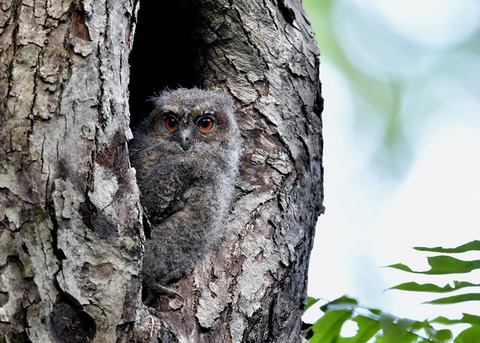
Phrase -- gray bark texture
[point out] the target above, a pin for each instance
(71, 233)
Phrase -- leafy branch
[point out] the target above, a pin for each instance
(377, 326)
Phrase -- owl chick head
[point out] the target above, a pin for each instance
(189, 117)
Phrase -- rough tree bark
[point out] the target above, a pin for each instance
(70, 218)
(70, 243)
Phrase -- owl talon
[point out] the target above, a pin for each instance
(166, 299)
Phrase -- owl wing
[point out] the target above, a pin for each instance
(163, 192)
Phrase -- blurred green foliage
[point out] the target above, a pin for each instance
(396, 83)
(398, 87)
(378, 99)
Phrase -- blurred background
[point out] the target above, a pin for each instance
(401, 83)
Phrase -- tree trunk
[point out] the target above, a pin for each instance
(70, 239)
(71, 223)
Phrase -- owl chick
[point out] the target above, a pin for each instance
(186, 154)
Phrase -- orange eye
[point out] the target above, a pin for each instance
(171, 123)
(205, 124)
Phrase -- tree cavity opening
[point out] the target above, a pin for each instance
(165, 52)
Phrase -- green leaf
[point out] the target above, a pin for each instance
(448, 265)
(429, 287)
(442, 335)
(456, 299)
(327, 328)
(466, 319)
(437, 335)
(470, 335)
(470, 246)
(367, 328)
(401, 266)
(471, 318)
(395, 329)
(442, 265)
(343, 303)
(311, 301)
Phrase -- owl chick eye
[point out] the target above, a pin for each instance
(171, 123)
(205, 124)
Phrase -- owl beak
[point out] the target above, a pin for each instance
(185, 143)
